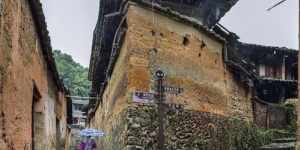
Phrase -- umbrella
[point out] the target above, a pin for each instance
(91, 132)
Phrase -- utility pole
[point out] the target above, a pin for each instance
(298, 103)
(160, 102)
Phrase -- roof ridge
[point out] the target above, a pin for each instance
(266, 46)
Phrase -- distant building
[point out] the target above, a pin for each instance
(33, 104)
(276, 70)
(273, 71)
(79, 114)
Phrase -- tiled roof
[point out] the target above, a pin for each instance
(41, 26)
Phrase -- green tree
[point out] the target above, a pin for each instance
(73, 74)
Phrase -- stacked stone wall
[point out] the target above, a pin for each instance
(188, 129)
(136, 128)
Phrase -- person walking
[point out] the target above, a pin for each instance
(90, 144)
(80, 146)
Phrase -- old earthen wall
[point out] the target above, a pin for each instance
(23, 67)
(191, 60)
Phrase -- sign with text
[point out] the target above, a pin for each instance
(143, 97)
(173, 90)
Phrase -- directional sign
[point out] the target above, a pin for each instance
(148, 97)
(173, 90)
(143, 97)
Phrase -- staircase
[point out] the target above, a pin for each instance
(281, 144)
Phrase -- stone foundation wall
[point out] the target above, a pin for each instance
(137, 129)
(186, 129)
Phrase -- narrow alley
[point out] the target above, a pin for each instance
(163, 75)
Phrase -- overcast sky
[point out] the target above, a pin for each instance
(71, 24)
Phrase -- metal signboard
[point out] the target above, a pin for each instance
(173, 90)
(143, 97)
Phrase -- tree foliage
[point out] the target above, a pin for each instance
(73, 74)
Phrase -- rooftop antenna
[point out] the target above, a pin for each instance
(277, 4)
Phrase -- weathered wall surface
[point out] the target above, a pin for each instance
(196, 65)
(61, 114)
(110, 116)
(269, 115)
(23, 67)
(187, 129)
(191, 60)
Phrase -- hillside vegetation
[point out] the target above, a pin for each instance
(73, 74)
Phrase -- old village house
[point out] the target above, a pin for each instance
(276, 76)
(134, 39)
(221, 79)
(33, 106)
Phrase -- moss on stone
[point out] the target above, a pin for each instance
(194, 130)
(137, 128)
(290, 109)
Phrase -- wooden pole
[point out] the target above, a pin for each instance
(160, 101)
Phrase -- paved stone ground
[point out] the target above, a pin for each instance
(281, 144)
(75, 140)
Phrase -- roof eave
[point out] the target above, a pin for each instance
(43, 34)
(179, 17)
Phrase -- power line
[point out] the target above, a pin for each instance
(277, 4)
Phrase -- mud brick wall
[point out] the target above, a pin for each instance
(191, 60)
(111, 114)
(23, 67)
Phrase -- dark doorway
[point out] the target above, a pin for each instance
(37, 122)
(58, 135)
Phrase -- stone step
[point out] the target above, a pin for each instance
(284, 140)
(279, 146)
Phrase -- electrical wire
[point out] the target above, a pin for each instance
(277, 4)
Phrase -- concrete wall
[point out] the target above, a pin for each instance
(191, 60)
(23, 67)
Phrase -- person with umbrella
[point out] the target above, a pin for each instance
(90, 143)
(81, 145)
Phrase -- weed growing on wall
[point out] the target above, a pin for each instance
(244, 135)
(187, 129)
(290, 108)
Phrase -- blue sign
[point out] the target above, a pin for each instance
(91, 132)
(143, 97)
